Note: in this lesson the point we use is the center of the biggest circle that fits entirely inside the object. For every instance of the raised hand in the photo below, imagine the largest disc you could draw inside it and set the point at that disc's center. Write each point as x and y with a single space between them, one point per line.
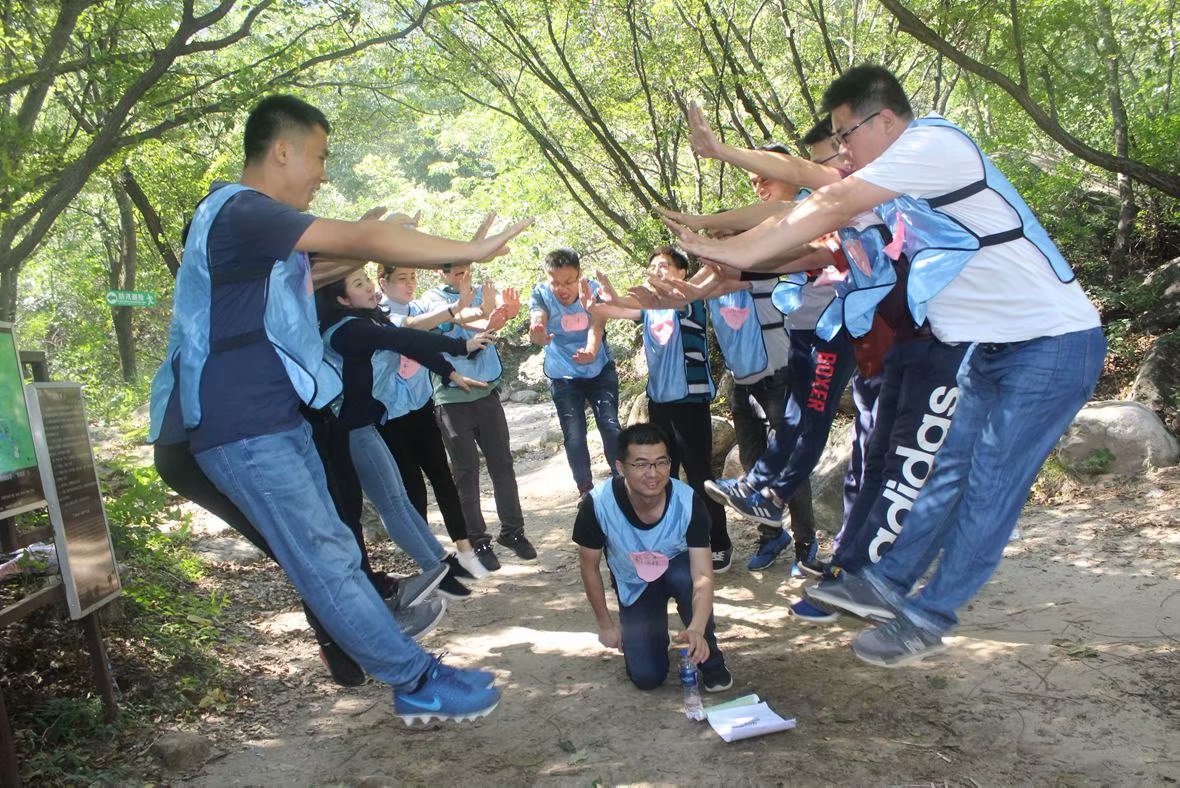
485 225
606 290
487 293
700 135
479 342
645 298
374 213
583 356
689 241
538 335
498 318
466 295
496 245
511 301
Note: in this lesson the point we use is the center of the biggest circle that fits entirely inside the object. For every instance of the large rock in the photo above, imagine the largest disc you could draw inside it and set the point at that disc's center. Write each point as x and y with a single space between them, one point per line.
827 480
732 467
531 372
182 750
724 439
1117 436
638 412
1164 283
1158 383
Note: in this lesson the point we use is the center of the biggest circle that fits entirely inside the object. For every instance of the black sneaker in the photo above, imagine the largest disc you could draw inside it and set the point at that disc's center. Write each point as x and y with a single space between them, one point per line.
457 569
519 544
717 680
487 556
451 588
341 667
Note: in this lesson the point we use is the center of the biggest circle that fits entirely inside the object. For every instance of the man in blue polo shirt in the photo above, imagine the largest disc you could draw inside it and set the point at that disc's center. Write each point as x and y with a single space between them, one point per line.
244 336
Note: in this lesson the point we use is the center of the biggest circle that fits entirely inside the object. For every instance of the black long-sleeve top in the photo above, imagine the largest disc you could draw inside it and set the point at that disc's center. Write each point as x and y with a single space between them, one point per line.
358 340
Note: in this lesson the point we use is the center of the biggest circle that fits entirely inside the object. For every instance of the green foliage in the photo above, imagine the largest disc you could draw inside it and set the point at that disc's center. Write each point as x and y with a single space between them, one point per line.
1100 461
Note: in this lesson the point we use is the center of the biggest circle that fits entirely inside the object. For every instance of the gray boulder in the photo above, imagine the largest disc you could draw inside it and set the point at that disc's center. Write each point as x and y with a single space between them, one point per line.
1164 283
827 480
182 750
724 439
1119 437
531 372
732 467
525 396
1158 383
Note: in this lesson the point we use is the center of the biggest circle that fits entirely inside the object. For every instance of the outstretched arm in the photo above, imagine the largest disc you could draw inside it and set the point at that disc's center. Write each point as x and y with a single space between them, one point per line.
829 209
789 169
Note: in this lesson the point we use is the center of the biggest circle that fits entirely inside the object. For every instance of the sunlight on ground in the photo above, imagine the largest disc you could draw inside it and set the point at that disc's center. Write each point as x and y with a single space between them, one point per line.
541 641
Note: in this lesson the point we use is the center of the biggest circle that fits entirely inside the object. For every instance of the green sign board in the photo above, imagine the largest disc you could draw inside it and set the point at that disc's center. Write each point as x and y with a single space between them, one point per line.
130 298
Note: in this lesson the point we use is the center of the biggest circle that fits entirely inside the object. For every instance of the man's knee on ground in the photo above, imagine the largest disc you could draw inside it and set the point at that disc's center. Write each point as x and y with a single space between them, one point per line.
647 679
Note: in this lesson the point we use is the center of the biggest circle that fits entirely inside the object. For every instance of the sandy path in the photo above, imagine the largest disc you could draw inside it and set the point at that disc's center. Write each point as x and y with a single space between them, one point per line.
1066 669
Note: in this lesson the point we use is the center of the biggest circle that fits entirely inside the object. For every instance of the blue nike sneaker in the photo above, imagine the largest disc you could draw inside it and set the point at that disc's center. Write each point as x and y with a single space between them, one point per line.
473 676
806 611
446 694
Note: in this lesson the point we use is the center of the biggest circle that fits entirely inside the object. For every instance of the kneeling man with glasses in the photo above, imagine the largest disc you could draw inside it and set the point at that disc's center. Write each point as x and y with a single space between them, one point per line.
655 533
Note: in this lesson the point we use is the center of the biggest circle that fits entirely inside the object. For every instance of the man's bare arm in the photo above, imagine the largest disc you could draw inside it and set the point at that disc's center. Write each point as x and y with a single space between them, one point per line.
396 244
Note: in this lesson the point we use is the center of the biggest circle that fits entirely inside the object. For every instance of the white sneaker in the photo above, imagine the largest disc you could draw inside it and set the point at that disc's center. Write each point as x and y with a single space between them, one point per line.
469 561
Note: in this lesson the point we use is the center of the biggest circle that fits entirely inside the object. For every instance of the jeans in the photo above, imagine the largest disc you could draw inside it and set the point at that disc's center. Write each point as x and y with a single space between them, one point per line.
913 410
382 484
644 625
689 428
819 372
570 397
1015 402
465 425
417 448
278 482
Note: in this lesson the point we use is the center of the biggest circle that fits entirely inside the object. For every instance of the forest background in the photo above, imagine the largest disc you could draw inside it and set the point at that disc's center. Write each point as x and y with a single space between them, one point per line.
115 116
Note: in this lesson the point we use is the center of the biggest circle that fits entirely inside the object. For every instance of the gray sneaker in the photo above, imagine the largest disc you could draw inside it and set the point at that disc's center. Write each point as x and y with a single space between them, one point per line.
417 621
892 644
413 590
852 594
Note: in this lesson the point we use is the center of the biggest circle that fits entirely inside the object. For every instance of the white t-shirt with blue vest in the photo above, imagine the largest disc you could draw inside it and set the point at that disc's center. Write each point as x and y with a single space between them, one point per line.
1008 292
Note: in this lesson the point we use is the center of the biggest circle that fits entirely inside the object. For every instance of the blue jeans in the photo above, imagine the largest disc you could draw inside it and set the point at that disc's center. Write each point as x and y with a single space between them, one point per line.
277 481
644 624
1015 402
382 484
570 397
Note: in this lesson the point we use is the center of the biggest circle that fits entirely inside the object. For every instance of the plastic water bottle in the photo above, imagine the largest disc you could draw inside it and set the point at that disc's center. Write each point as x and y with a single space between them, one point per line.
692 691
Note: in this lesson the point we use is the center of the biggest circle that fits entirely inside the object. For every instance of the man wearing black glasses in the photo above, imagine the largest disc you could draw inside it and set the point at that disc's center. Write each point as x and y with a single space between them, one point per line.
986 274
655 533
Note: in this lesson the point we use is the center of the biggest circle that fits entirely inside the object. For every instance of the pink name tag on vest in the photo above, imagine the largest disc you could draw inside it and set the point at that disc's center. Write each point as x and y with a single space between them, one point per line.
578 321
662 331
895 246
649 565
734 316
854 250
408 368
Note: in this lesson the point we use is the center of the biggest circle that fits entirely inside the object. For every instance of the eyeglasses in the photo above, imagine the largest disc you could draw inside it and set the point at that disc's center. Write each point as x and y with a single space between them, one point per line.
643 467
841 137
826 159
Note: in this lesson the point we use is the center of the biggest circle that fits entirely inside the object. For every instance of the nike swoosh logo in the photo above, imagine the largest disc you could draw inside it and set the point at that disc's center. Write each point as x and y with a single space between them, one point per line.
434 705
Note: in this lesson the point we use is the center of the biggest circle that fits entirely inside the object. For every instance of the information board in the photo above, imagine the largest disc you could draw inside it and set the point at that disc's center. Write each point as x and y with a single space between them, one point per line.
20 482
70 480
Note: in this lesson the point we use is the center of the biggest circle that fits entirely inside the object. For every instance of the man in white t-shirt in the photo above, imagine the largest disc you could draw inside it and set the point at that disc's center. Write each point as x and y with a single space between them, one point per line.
983 272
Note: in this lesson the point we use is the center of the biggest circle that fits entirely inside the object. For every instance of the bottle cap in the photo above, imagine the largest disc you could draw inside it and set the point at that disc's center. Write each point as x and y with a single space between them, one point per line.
684 652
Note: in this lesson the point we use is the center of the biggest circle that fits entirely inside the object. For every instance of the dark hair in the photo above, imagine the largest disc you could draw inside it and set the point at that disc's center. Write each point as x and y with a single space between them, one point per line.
330 311
821 131
775 147
679 258
642 434
867 89
275 116
562 258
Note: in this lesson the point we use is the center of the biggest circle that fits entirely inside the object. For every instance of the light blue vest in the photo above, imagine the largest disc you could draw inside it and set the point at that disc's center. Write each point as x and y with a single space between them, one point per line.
396 382
559 362
416 376
739 333
939 246
667 379
486 365
622 538
859 294
289 323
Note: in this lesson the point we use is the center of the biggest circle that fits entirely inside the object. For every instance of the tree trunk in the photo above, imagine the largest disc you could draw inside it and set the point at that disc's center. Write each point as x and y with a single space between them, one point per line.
123 278
1109 52
8 277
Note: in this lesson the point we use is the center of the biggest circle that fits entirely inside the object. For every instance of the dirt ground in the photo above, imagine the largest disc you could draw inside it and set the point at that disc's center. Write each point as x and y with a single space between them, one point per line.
1065 670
